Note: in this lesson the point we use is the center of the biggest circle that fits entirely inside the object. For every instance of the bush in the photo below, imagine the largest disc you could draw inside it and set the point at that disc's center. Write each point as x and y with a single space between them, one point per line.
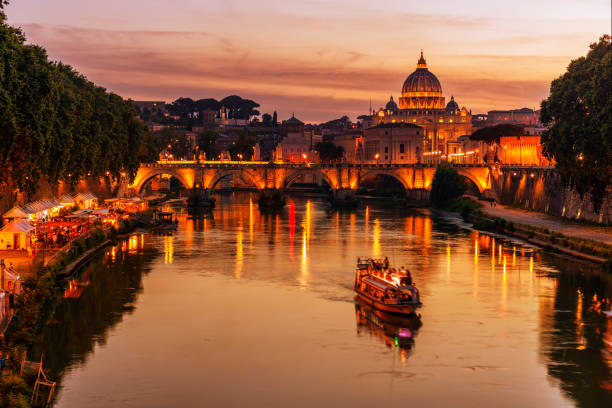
446 185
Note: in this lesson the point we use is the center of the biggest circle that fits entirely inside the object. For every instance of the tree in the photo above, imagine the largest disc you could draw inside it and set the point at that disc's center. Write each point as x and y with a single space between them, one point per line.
244 146
239 108
266 119
446 185
579 115
329 152
175 143
56 124
207 143
492 134
274 119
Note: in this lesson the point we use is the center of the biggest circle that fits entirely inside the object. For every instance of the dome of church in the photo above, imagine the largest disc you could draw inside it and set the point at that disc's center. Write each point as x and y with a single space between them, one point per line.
391 105
452 106
422 90
421 80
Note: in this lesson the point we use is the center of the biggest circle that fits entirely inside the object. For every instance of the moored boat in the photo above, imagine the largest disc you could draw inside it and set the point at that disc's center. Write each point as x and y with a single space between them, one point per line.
386 288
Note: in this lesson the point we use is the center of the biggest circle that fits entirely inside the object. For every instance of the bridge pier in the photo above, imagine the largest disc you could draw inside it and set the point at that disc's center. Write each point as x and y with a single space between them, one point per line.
417 197
272 198
200 198
343 197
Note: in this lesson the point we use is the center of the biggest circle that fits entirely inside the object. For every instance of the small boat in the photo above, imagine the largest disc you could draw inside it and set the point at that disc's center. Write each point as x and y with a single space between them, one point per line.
164 223
385 288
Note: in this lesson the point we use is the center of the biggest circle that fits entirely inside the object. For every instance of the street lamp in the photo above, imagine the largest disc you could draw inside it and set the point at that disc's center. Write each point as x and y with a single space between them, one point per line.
239 156
377 156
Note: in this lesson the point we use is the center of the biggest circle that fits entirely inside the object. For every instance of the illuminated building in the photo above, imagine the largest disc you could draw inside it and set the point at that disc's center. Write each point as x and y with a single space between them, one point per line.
522 150
393 143
423 104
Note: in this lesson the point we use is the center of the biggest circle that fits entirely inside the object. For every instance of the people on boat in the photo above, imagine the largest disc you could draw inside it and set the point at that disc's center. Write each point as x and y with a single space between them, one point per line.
386 263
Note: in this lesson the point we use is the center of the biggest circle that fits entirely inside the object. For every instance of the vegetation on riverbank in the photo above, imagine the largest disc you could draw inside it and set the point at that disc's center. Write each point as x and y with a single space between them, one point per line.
35 309
447 184
551 240
58 126
578 115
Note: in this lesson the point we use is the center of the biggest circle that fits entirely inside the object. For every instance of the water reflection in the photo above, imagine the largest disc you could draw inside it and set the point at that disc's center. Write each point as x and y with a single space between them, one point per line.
577 336
393 331
95 301
488 302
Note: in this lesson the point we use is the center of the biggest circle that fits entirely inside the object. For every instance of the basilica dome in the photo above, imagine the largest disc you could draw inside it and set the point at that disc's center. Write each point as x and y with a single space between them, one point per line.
422 90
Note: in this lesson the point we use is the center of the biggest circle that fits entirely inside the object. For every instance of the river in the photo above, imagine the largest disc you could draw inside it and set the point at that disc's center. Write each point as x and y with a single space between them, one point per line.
243 309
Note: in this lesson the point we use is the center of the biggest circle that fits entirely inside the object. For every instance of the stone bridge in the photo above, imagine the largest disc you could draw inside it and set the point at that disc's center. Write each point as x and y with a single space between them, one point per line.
344 179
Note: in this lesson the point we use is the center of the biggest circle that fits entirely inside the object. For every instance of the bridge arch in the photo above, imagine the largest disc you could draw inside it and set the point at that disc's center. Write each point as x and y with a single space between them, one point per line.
251 176
144 175
371 174
479 177
295 174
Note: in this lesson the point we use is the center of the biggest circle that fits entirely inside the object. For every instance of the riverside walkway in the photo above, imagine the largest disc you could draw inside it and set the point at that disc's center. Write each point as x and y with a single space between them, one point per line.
540 220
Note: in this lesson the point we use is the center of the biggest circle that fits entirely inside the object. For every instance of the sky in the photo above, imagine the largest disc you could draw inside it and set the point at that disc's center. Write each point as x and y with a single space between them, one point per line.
317 59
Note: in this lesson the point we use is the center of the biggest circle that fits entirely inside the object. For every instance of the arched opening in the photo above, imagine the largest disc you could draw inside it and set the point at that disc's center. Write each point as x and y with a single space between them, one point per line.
236 180
381 185
472 188
306 181
163 183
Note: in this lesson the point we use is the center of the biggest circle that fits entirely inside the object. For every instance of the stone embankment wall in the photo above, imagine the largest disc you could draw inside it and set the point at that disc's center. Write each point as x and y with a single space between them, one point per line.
541 190
102 188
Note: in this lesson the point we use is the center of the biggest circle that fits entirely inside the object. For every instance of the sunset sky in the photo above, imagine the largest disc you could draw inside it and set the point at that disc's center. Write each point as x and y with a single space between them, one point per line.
319 59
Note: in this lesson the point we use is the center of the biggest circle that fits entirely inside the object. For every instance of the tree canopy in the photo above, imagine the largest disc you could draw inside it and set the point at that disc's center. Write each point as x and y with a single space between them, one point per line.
188 111
493 133
329 152
207 143
579 115
56 123
243 149
175 143
447 184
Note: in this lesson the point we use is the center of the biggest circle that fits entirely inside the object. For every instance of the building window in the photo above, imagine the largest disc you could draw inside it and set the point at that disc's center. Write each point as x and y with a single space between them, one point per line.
401 148
386 149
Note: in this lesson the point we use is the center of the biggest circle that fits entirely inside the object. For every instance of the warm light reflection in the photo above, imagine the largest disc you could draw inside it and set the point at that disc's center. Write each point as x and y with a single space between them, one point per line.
376 238
291 228
580 340
251 222
168 249
239 253
504 285
306 225
448 262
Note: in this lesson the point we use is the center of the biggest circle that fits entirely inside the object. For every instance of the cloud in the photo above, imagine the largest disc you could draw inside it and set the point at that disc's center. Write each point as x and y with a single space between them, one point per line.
317 82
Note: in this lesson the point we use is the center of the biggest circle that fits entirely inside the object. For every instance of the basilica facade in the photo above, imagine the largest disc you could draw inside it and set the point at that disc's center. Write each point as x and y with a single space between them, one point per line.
423 104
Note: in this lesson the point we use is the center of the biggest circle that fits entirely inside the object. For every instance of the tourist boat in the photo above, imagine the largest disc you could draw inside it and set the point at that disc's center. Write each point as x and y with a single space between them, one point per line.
385 288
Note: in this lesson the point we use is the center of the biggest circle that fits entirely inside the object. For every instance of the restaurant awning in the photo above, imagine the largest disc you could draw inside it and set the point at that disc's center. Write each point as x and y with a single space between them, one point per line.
17 226
15 212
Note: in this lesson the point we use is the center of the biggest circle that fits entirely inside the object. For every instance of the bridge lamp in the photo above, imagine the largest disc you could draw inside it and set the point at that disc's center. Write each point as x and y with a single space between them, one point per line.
377 156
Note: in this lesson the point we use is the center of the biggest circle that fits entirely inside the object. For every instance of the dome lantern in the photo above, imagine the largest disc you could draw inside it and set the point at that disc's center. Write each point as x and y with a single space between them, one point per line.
422 90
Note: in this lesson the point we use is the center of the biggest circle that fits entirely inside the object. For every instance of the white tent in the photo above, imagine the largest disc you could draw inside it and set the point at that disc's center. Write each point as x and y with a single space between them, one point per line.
15 213
16 235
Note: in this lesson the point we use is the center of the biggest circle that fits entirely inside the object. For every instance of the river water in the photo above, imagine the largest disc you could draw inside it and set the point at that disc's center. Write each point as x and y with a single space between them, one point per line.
243 309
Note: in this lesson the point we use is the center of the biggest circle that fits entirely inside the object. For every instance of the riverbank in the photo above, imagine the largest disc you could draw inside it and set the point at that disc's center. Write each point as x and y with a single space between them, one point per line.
36 306
592 243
